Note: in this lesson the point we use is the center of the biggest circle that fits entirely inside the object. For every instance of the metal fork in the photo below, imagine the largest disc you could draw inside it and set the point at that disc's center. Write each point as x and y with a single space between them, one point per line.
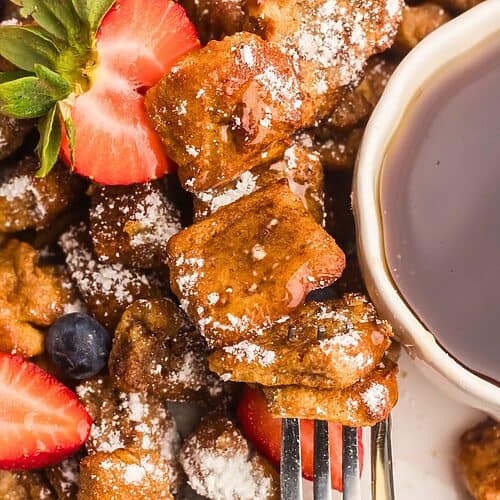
381 459
382 487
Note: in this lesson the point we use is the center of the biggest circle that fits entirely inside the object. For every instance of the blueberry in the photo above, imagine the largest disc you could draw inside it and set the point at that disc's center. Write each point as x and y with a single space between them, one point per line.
78 345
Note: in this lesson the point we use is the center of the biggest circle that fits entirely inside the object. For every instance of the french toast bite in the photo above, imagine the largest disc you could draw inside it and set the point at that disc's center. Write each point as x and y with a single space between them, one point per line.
31 298
219 464
353 341
124 473
339 150
124 420
131 225
250 264
64 477
225 109
301 167
107 289
479 460
418 22
365 403
157 350
357 103
12 131
330 41
24 486
339 136
29 202
215 19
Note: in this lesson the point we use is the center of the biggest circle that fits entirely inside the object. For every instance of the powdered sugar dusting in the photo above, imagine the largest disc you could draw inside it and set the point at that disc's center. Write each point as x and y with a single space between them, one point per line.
190 270
151 219
225 471
158 222
95 278
10 22
133 474
375 397
246 184
331 35
228 477
23 187
250 352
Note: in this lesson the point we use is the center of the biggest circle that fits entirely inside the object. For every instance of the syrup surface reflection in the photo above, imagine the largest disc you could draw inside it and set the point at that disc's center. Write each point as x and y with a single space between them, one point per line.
440 196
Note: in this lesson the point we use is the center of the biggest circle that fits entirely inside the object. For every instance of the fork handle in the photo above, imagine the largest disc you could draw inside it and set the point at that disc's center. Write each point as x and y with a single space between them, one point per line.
381 454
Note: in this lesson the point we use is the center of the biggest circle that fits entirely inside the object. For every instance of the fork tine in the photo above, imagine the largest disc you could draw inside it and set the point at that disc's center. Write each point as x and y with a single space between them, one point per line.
350 464
290 468
322 480
381 455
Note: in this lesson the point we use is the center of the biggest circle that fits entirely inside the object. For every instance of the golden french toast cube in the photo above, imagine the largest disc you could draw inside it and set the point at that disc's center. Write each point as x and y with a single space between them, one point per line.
12 131
250 264
215 19
301 167
225 109
123 419
126 473
107 289
212 454
130 419
329 40
32 297
339 151
131 225
479 460
64 477
157 350
29 202
357 103
28 485
335 343
418 22
363 404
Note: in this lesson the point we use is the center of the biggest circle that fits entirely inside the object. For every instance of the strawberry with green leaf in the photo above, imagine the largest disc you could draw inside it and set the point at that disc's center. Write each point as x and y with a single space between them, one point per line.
83 67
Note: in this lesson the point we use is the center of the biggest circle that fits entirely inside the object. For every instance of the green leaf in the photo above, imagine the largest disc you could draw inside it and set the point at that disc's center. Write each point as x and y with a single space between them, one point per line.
92 11
80 7
8 76
65 108
25 46
29 97
58 17
58 83
50 141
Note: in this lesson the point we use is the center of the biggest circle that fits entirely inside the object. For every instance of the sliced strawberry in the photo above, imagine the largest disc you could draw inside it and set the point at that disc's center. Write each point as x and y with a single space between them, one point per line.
41 420
264 432
142 39
138 41
114 143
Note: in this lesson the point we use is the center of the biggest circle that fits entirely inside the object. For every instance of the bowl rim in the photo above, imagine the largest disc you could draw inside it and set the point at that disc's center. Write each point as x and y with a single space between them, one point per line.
441 47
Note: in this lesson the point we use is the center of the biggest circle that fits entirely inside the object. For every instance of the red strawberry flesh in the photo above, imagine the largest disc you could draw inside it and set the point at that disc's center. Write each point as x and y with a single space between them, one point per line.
114 144
141 40
41 420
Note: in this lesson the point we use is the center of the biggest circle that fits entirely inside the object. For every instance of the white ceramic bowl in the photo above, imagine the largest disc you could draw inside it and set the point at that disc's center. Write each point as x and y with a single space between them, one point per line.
409 80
